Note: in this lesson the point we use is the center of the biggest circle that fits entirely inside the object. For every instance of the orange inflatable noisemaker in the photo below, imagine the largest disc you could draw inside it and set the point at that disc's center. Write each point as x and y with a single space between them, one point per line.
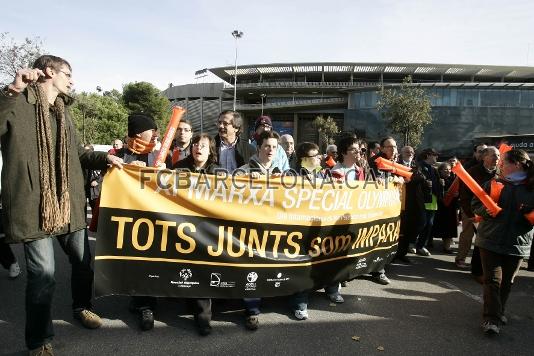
398 169
492 207
177 113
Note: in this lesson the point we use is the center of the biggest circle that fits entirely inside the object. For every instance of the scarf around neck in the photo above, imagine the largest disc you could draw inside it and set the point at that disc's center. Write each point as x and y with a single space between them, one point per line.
53 164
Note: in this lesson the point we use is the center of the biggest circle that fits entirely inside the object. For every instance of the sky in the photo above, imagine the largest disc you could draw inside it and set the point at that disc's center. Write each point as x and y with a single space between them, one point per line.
111 43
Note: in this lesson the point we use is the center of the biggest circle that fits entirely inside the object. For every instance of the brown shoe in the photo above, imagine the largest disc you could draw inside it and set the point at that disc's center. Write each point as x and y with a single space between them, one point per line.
45 350
88 319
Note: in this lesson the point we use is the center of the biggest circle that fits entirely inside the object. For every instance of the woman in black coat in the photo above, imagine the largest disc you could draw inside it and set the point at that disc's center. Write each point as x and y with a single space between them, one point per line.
446 219
201 160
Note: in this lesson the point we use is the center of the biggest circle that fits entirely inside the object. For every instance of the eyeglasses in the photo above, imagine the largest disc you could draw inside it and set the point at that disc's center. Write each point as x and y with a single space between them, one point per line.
224 123
315 156
67 74
200 145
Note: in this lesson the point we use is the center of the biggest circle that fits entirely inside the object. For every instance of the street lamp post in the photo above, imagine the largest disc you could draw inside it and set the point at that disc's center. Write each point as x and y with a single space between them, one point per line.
237 35
262 98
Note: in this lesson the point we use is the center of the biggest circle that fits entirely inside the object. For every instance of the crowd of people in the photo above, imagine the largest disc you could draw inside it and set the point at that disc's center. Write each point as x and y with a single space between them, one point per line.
48 178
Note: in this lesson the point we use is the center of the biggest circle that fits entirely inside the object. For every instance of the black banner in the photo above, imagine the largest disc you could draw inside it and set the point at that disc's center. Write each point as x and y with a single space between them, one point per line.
149 252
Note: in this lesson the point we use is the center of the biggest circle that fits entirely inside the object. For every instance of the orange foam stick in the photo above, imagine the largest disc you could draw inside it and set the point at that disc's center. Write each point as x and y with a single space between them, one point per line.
495 190
451 192
492 207
530 217
503 148
177 113
385 165
394 164
330 162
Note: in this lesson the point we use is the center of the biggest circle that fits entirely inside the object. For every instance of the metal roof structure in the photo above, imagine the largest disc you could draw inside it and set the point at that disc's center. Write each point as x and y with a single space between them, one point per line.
506 72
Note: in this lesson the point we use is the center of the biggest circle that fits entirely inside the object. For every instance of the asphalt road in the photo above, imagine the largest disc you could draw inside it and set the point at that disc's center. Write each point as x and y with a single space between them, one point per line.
430 308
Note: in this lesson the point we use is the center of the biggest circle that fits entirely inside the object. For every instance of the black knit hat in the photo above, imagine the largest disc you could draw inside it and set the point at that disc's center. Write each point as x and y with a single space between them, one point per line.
138 123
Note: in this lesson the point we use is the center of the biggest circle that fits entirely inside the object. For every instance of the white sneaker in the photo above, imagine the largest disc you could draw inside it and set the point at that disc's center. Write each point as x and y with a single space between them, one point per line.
490 328
14 270
423 252
301 314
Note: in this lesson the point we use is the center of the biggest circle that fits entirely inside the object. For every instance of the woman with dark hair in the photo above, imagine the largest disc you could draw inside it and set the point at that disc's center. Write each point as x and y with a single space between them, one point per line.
203 156
202 159
504 240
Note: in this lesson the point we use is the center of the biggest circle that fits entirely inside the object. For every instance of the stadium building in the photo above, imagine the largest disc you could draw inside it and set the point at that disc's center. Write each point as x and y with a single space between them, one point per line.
470 103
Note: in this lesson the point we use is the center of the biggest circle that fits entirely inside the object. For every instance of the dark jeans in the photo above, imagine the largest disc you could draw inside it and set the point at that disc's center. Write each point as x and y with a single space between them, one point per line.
252 306
139 303
299 300
409 232
7 258
41 282
201 310
499 273
426 232
476 264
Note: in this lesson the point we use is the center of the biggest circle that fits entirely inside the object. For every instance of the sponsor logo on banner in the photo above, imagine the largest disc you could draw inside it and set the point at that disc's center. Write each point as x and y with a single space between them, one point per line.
252 277
278 279
217 282
185 275
362 263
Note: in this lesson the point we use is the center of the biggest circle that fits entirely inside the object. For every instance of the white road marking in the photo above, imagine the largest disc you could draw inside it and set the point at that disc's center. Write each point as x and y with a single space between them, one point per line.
476 298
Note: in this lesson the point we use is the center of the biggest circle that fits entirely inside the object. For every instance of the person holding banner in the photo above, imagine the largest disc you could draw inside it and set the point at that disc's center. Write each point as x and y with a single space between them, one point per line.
43 195
261 164
140 150
388 150
504 240
202 159
308 163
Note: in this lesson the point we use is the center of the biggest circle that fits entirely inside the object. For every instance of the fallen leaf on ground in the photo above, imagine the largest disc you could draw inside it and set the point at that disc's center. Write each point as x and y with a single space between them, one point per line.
356 338
333 304
380 348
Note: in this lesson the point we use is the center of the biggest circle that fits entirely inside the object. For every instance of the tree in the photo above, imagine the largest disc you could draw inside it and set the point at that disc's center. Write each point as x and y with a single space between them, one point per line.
327 129
407 111
16 55
99 119
145 97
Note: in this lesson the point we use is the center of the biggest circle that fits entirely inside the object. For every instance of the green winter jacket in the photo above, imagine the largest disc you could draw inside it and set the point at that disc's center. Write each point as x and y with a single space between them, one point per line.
20 172
509 233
